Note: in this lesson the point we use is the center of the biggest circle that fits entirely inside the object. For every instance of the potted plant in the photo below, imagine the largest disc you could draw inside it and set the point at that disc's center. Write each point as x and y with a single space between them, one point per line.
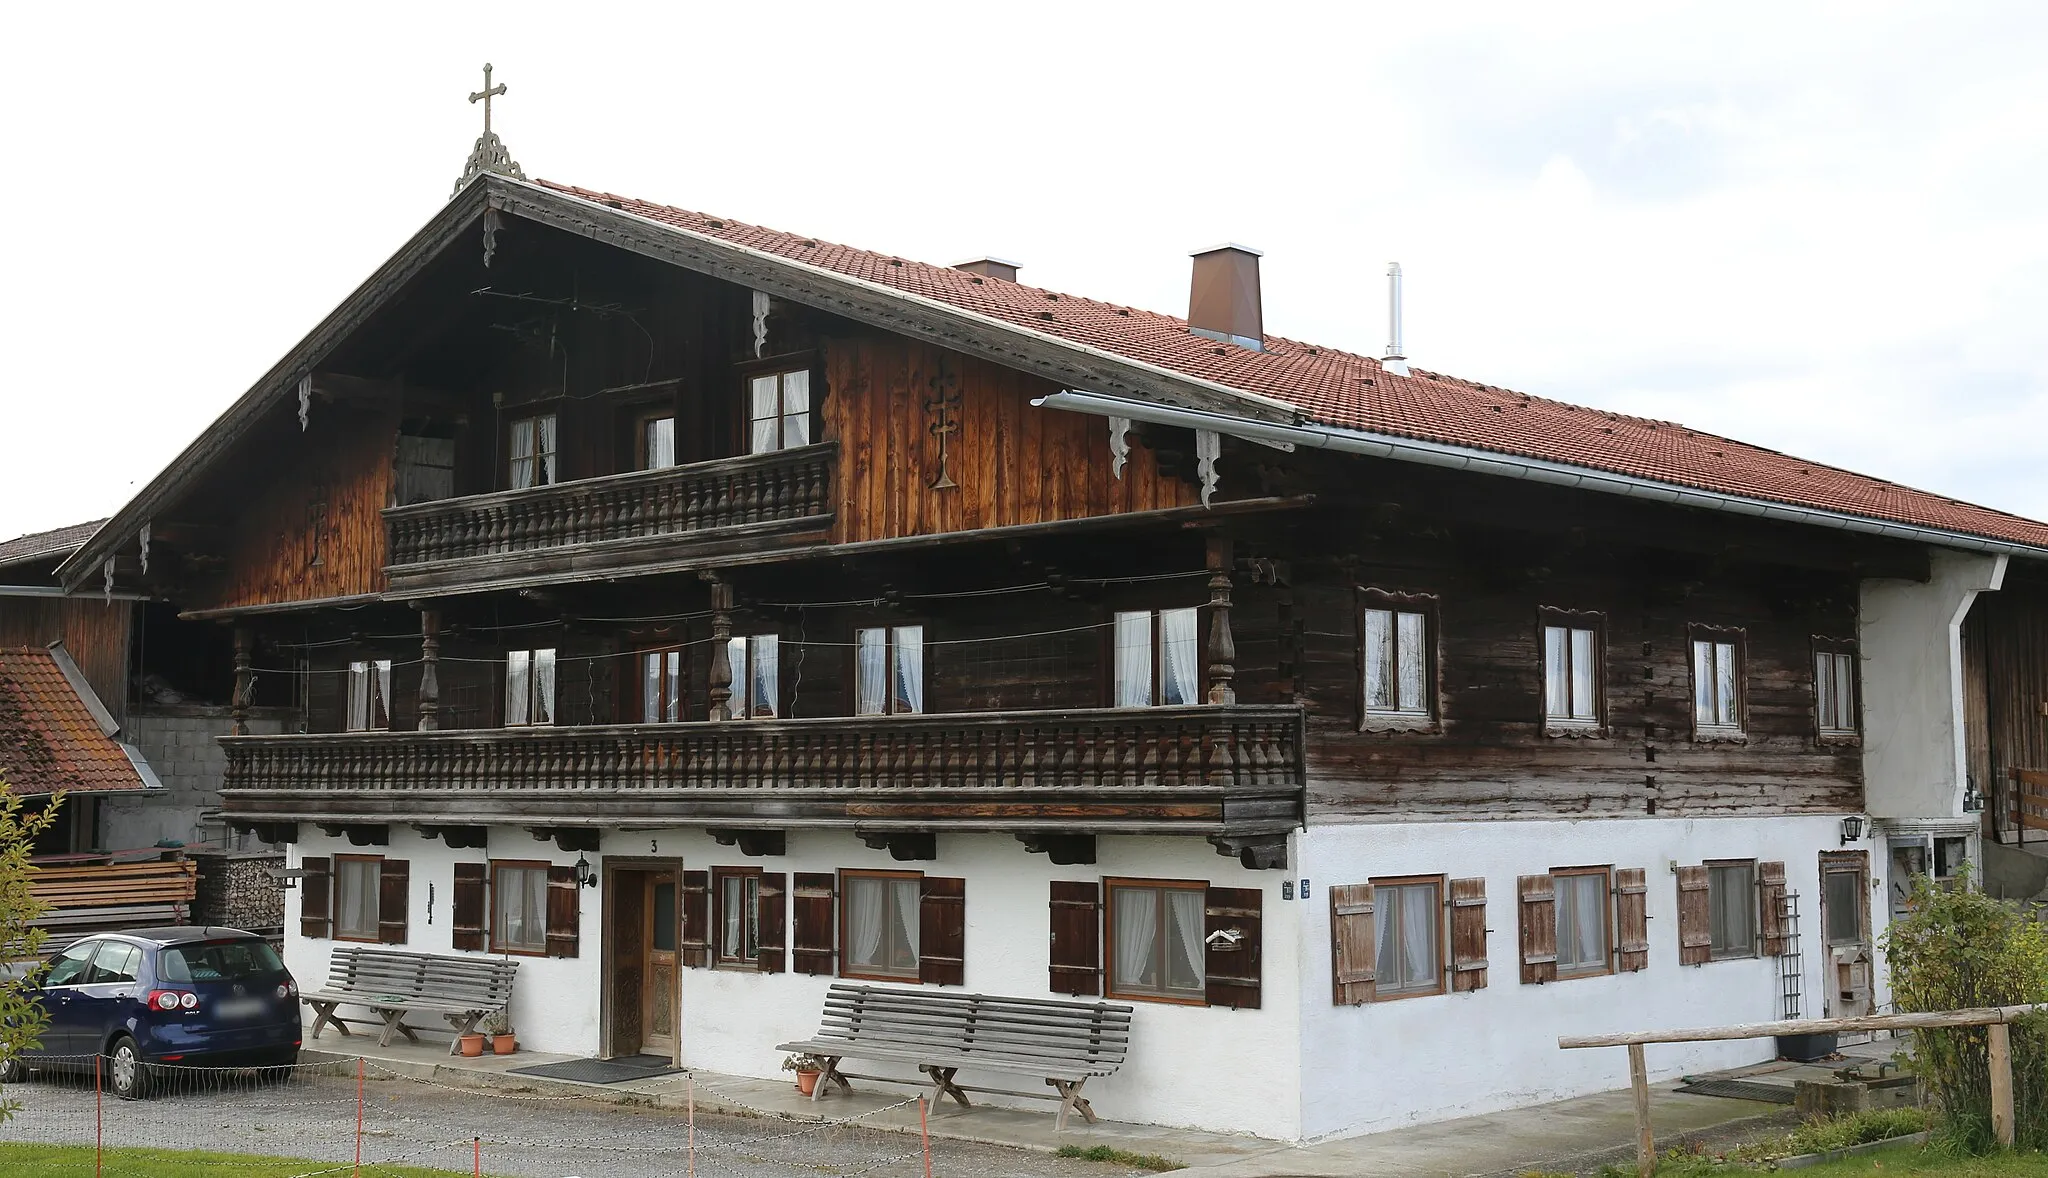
471 1043
497 1026
808 1068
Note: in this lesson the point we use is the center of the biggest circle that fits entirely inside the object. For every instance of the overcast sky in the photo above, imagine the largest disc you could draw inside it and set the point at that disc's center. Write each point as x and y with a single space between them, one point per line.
1820 228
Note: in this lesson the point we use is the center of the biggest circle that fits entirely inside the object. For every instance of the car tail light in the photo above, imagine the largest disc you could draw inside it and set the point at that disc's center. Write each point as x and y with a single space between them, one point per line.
285 990
173 1000
188 1001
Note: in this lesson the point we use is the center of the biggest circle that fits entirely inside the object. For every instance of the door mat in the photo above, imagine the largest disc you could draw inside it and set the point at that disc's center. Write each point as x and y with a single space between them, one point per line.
1740 1090
603 1071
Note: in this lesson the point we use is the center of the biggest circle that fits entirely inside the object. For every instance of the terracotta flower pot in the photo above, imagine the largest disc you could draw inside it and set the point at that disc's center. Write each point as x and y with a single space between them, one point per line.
807 1082
504 1044
472 1044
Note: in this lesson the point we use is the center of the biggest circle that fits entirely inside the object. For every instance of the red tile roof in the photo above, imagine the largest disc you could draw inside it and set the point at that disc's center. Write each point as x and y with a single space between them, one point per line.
1336 388
48 740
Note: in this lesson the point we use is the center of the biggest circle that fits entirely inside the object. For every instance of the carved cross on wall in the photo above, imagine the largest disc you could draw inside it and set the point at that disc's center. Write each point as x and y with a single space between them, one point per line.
945 409
486 94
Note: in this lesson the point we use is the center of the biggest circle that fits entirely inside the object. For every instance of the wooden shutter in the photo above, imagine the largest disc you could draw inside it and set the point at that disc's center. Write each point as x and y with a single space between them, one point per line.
1770 902
316 897
1631 919
1233 969
466 906
393 879
696 944
773 923
1695 922
565 912
1468 935
1539 929
942 931
812 922
1354 945
1076 954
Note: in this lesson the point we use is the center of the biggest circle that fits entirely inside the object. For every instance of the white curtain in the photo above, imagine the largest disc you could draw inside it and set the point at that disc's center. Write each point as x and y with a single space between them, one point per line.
871 672
1137 937
356 886
1180 665
518 680
866 908
661 443
674 709
730 907
1134 659
1724 680
1703 684
521 446
907 923
767 415
1413 646
1189 965
544 458
1379 660
909 669
1557 701
1418 934
358 696
765 696
544 686
650 688
380 711
796 409
1585 666
1582 921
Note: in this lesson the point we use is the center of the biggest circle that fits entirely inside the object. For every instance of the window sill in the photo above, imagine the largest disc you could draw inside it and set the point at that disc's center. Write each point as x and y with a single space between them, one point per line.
1160 999
1574 729
1840 739
894 979
1750 955
731 966
1395 722
1719 736
1573 975
1405 995
508 951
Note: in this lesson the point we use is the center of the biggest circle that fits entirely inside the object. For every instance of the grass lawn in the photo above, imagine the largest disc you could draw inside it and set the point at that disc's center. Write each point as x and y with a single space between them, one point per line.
1915 1160
64 1161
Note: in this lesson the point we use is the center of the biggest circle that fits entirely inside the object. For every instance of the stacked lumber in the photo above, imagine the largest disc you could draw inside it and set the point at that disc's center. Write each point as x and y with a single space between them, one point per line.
106 897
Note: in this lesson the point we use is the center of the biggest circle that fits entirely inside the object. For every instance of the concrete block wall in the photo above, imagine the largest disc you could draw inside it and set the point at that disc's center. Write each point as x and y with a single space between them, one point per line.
181 746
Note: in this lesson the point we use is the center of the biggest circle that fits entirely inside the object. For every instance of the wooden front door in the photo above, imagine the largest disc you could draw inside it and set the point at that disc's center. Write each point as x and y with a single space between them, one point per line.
1845 932
658 967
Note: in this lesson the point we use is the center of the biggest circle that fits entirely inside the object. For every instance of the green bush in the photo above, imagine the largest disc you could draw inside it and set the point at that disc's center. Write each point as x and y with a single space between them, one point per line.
1959 949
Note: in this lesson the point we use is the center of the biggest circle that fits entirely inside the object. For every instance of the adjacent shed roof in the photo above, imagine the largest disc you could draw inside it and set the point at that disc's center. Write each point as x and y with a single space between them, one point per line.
49 738
44 545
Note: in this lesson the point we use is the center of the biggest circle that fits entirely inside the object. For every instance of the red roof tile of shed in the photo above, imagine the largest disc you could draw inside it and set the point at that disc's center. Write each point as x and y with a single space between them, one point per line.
1336 388
48 740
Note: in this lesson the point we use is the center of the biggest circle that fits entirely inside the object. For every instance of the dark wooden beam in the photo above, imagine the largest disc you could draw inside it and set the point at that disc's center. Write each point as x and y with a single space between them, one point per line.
752 843
1066 850
359 834
567 838
456 837
1257 852
904 846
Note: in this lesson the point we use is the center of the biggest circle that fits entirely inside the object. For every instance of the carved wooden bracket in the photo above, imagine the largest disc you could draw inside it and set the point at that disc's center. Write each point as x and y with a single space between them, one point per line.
755 843
1257 852
270 832
904 846
567 838
457 837
1063 849
359 834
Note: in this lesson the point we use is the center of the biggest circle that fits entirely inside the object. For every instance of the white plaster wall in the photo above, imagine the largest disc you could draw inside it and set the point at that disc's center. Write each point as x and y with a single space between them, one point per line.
1909 636
1380 1065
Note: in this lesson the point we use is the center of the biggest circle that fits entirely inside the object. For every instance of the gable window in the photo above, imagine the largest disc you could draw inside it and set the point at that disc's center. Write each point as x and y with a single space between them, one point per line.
1716 682
369 695
1571 669
1157 660
661 686
519 907
779 410
880 922
529 687
657 442
530 448
737 891
357 882
1398 656
1582 920
1731 908
1834 688
1156 945
756 676
889 673
1410 937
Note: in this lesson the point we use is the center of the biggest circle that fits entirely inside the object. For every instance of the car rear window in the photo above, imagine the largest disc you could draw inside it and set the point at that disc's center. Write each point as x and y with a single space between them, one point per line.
218 961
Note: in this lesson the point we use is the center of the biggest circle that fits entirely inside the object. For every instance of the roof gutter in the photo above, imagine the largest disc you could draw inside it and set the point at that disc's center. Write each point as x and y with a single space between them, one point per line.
1538 470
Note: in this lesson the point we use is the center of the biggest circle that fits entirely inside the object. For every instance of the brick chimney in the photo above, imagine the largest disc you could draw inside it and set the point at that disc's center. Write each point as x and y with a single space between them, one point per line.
1223 299
990 268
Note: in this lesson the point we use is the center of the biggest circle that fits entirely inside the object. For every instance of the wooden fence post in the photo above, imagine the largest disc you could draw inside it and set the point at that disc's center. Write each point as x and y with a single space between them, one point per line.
1639 1084
2000 1036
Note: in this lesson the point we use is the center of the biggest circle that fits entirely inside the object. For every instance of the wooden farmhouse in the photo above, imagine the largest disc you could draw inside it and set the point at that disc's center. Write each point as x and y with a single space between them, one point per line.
701 614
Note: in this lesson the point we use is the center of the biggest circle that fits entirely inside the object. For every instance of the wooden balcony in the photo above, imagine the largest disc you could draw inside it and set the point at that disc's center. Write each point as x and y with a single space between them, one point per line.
602 525
1213 770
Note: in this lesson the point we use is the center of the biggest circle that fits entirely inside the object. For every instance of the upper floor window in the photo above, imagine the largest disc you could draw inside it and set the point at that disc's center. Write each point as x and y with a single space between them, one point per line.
531 449
661 686
529 687
1157 659
369 695
1834 687
1571 669
780 410
756 676
657 442
889 673
1716 681
1399 656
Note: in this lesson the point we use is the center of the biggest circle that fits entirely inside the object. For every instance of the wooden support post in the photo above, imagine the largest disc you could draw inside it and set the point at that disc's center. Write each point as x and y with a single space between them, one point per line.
1222 647
2000 1043
721 637
245 684
1639 1085
430 670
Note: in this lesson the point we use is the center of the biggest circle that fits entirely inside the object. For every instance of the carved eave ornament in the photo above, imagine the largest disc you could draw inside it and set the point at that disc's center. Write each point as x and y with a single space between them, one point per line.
489 155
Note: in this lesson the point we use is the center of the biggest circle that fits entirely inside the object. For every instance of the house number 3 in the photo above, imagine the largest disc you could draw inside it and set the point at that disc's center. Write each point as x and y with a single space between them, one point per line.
653 847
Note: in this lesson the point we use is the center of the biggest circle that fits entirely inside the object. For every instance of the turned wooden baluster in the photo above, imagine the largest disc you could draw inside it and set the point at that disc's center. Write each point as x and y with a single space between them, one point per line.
245 684
430 670
720 671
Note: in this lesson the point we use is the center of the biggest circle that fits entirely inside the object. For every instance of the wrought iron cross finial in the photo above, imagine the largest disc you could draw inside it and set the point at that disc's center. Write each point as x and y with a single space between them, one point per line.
486 94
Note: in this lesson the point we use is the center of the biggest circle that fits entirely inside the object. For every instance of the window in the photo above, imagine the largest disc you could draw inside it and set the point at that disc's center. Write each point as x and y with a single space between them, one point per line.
1156 939
531 448
661 686
780 410
756 680
1716 682
369 695
1951 854
738 893
1410 953
1582 920
519 907
1731 909
69 967
889 675
117 961
357 879
880 912
1842 901
1156 658
529 687
657 442
1397 658
1834 689
1571 670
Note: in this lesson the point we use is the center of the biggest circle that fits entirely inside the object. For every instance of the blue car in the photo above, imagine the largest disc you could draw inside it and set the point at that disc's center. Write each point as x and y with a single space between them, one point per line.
190 997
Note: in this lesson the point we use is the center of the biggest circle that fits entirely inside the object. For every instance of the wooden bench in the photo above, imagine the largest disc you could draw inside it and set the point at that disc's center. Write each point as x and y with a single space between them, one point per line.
1065 1043
461 989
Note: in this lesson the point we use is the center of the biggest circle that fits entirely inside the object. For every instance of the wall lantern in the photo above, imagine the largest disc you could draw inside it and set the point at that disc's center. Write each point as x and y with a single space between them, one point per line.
585 875
1852 829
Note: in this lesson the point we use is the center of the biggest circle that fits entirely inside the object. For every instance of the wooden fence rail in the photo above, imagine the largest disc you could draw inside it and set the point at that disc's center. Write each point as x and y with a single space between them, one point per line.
1996 1018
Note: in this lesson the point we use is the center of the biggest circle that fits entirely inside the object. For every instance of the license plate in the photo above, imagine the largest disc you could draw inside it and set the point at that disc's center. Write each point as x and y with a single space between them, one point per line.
234 1008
